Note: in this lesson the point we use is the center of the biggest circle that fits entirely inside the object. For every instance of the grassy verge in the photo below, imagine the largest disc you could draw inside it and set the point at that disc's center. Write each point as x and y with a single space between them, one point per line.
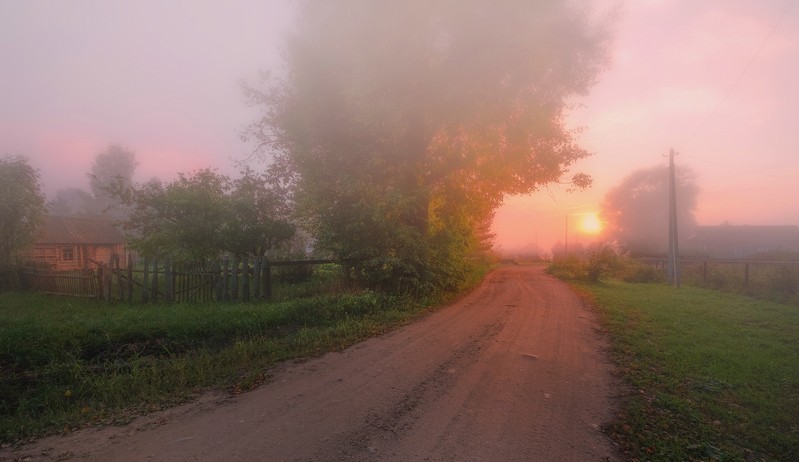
67 363
713 376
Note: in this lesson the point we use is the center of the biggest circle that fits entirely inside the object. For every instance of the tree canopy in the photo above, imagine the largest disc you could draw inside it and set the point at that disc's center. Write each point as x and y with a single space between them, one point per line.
200 216
404 124
73 202
636 211
113 165
22 206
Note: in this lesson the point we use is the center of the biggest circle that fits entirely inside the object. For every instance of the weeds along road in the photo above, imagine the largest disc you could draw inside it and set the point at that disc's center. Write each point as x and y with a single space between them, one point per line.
514 371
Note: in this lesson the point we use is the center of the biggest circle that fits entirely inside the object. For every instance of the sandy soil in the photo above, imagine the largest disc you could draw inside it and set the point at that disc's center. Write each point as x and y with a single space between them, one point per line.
515 371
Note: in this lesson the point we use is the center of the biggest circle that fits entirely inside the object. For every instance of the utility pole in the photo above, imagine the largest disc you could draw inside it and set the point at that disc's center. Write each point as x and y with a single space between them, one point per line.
674 251
566 238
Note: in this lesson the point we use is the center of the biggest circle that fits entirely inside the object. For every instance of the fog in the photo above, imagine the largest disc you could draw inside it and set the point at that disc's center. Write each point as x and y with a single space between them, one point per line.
715 80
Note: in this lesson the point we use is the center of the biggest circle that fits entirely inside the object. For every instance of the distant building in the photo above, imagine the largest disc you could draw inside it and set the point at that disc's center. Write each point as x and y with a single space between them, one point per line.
731 241
67 243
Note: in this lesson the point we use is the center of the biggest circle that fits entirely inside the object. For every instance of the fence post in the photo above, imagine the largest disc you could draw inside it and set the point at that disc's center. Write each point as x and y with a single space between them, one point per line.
130 278
154 290
267 279
256 276
84 283
234 274
100 285
245 282
118 272
169 281
226 277
219 287
145 286
108 277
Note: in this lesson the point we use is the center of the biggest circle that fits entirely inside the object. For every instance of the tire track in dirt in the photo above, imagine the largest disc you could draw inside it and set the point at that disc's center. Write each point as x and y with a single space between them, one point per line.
395 423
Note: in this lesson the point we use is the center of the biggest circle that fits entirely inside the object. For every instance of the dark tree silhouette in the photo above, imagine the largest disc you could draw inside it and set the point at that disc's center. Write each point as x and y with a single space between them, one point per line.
636 211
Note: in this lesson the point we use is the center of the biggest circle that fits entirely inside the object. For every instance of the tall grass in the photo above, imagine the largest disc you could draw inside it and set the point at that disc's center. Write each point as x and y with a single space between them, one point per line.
67 363
712 376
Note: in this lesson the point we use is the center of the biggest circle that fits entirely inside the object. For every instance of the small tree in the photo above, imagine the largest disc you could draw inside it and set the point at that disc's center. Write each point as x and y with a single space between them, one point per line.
199 216
259 220
601 259
22 207
181 220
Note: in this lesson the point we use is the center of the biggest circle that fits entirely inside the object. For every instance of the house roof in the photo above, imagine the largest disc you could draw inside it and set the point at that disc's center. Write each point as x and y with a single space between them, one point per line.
787 233
73 230
750 236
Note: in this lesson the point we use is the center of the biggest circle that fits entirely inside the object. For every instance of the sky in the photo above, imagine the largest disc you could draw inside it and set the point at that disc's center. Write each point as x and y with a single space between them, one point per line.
715 80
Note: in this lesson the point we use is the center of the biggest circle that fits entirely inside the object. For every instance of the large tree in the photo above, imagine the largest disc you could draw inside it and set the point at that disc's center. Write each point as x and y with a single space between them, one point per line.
406 123
636 211
22 206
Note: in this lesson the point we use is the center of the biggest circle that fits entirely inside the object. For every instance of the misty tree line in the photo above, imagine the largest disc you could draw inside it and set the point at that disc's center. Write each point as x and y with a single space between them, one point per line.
394 133
193 219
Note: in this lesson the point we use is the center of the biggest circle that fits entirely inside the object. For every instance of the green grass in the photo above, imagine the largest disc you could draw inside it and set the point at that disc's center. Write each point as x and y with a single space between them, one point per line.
68 363
712 376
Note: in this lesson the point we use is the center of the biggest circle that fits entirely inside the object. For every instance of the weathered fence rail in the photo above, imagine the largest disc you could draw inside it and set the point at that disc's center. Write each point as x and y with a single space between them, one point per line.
152 280
83 283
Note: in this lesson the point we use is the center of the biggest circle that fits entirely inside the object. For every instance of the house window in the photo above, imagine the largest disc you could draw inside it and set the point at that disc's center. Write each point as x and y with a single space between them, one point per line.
45 254
68 254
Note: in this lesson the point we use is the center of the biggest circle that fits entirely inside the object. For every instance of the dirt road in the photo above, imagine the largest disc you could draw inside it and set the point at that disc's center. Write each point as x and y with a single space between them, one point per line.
513 371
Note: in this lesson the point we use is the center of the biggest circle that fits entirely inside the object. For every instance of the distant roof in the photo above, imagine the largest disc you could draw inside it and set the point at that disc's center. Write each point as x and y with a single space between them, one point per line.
73 230
750 238
749 231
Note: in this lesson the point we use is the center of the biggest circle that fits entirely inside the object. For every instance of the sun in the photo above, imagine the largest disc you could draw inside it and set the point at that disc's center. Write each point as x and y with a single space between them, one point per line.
591 224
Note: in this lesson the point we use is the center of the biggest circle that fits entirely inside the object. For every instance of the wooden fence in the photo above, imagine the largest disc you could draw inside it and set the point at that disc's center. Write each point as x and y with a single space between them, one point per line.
81 283
743 273
155 280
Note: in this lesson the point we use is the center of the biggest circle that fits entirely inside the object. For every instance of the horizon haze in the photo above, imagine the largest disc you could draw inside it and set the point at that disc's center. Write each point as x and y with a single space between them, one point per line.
713 80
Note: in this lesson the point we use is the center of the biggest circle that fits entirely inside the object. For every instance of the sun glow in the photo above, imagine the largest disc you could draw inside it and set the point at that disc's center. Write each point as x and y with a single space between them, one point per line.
591 224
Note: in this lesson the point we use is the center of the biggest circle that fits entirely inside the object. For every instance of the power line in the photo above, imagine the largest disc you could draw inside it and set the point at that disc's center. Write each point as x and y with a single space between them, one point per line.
729 92
742 73
744 170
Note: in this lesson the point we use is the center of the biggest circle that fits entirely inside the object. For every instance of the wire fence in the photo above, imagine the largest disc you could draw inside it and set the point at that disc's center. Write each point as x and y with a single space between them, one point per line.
770 279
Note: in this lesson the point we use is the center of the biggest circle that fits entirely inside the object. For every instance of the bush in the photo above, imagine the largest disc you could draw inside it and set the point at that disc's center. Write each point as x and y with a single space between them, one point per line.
630 270
602 259
569 267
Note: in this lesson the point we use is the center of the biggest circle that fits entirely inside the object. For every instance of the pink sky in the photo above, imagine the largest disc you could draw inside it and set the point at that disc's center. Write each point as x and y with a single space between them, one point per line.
162 80
674 62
